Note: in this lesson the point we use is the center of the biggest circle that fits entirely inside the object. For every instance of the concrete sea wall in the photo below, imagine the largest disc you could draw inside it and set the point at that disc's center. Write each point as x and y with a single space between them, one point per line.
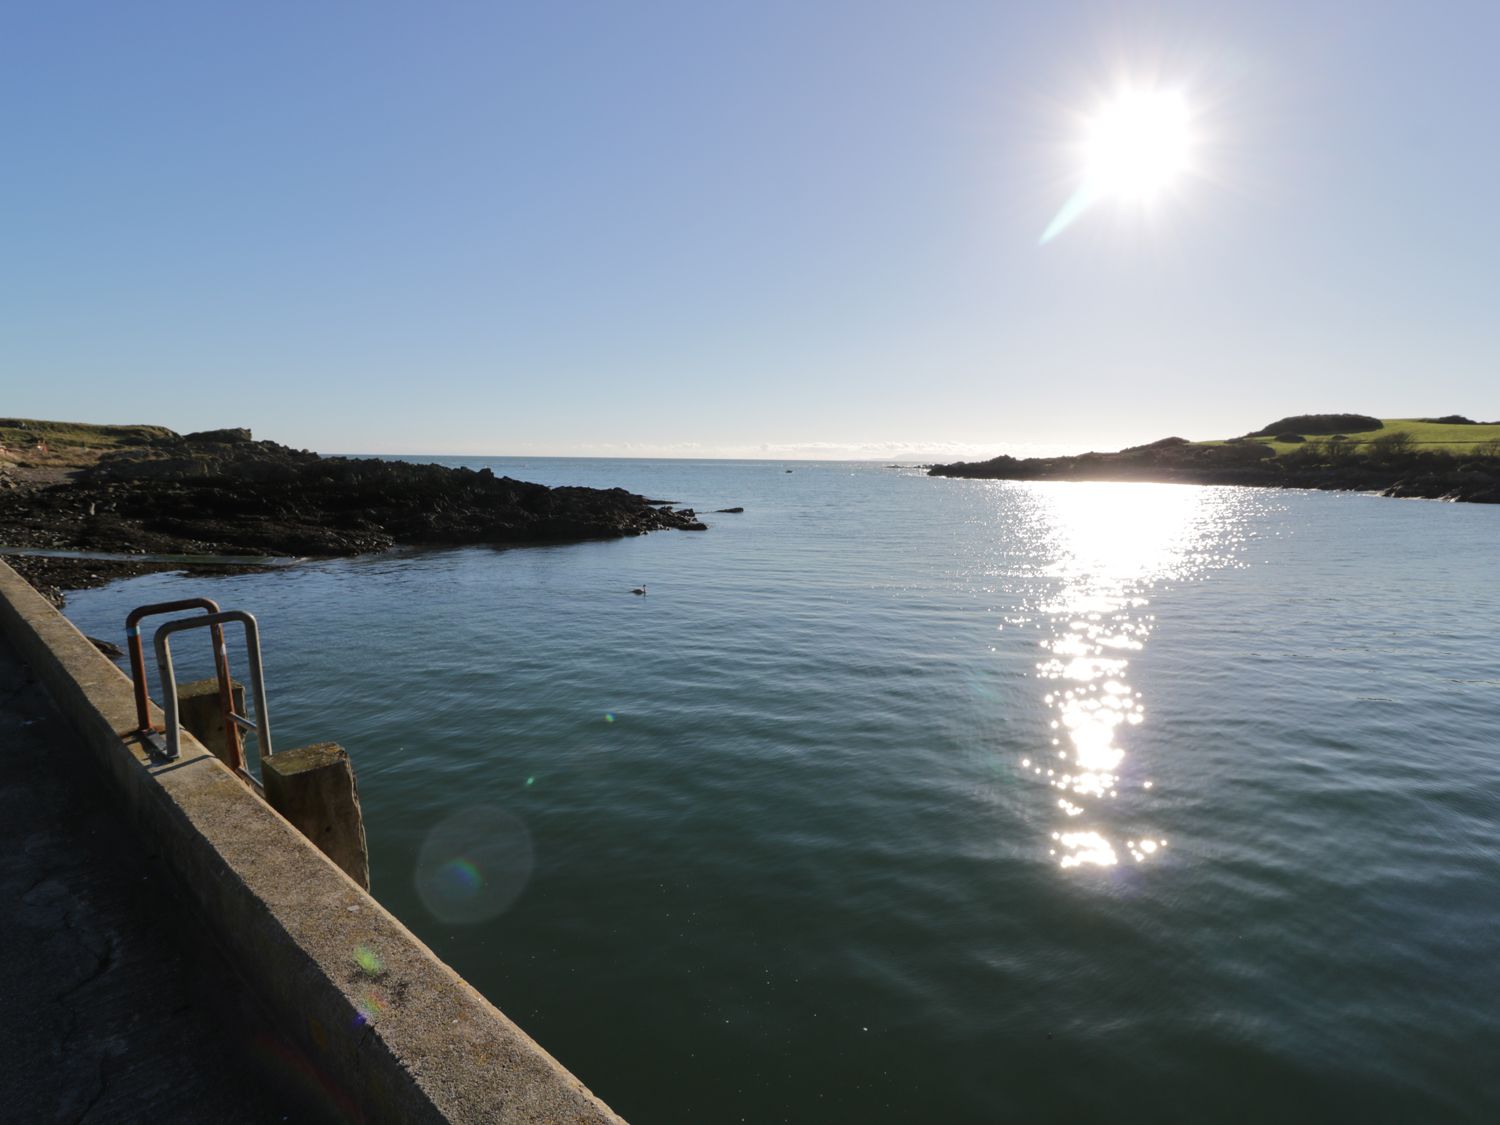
396 1033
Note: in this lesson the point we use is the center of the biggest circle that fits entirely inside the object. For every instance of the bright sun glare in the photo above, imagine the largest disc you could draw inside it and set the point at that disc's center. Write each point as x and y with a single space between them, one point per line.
1134 147
1138 144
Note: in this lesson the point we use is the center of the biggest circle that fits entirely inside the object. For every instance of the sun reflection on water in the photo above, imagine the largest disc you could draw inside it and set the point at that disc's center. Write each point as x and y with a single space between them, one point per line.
1110 546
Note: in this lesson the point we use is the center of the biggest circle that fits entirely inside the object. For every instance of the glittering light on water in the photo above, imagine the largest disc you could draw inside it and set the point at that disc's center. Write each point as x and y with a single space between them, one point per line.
1086 848
1112 543
1140 849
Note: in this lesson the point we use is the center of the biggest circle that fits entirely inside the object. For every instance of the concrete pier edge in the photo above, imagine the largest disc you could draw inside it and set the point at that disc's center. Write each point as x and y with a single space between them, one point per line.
394 1034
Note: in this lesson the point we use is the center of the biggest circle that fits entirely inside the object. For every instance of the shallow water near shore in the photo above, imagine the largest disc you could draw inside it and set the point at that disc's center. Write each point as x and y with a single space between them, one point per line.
145 557
904 799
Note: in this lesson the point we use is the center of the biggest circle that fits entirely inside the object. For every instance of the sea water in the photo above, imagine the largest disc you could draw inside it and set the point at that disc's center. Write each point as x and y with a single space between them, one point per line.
902 799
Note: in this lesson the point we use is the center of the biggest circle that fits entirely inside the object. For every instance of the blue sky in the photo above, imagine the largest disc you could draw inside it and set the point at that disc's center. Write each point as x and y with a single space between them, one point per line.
776 229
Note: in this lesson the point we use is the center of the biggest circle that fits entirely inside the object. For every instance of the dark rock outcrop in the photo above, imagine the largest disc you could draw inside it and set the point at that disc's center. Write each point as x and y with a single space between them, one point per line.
221 492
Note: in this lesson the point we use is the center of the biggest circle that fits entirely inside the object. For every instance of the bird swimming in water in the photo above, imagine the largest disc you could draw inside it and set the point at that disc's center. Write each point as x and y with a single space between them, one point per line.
641 589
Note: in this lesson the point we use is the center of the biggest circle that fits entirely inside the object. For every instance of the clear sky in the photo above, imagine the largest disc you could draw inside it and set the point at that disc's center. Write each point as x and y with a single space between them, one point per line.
713 228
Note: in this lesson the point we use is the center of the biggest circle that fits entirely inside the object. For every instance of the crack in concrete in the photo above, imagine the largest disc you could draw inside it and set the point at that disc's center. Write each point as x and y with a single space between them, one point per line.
103 959
35 883
97 1097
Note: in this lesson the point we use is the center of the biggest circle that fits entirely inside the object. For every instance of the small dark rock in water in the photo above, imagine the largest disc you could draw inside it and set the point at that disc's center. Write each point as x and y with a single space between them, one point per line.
108 648
729 511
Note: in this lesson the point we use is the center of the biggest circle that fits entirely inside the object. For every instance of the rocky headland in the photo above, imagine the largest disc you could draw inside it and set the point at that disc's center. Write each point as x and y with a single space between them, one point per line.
224 493
1364 459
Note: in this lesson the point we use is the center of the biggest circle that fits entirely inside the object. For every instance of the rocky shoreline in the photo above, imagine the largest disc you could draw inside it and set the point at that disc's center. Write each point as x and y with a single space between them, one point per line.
224 493
1400 473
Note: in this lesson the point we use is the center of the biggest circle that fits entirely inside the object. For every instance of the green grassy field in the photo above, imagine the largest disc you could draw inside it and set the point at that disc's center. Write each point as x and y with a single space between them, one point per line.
22 434
1424 435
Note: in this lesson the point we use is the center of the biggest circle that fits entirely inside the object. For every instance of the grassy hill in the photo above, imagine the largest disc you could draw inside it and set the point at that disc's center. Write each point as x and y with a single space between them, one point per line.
1449 458
21 434
1436 437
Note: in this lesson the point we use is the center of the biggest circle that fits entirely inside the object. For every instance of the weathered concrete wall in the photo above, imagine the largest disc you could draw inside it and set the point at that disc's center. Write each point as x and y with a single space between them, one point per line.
385 1023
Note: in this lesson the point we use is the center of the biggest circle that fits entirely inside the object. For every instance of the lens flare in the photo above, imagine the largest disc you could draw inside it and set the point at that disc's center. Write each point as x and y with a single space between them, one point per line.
371 1006
474 864
460 878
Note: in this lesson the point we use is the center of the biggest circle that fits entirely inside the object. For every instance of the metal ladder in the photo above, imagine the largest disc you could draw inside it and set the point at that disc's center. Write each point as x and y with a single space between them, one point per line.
169 748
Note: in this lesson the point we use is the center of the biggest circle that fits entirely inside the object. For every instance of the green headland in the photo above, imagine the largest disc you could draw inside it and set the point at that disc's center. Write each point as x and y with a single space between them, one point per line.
1447 457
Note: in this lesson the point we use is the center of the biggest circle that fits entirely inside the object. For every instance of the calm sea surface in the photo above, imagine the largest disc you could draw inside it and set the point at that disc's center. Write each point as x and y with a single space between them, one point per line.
905 800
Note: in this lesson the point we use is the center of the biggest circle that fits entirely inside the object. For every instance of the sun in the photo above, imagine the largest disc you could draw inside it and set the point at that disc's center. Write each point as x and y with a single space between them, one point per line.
1135 148
1137 144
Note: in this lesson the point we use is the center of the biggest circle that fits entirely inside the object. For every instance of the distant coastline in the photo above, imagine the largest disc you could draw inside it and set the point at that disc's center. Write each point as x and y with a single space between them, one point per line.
1450 458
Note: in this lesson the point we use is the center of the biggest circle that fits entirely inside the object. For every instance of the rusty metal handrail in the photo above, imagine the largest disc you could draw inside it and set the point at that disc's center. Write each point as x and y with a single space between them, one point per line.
232 721
221 671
